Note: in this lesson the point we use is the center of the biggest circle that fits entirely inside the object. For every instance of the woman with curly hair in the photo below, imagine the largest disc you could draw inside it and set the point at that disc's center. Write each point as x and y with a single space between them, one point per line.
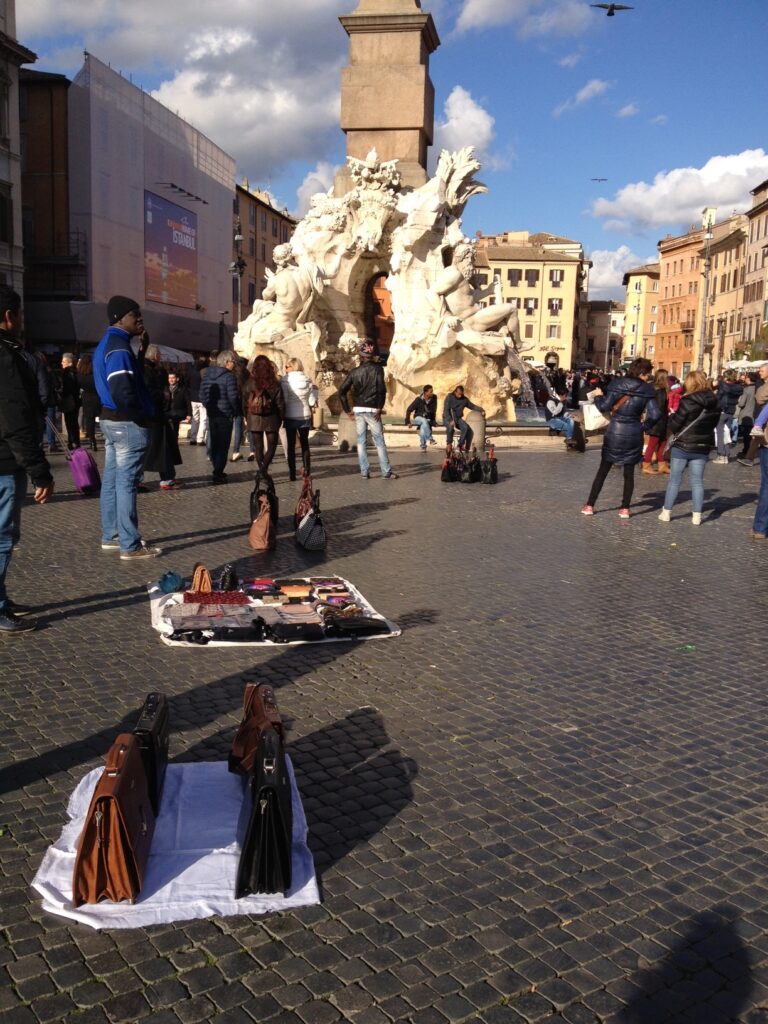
264 406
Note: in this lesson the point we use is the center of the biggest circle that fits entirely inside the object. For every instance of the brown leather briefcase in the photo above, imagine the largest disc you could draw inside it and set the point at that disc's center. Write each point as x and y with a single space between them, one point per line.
260 711
114 845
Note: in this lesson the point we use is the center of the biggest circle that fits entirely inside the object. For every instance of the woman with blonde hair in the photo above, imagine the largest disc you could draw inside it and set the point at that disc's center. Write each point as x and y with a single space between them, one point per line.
693 429
300 396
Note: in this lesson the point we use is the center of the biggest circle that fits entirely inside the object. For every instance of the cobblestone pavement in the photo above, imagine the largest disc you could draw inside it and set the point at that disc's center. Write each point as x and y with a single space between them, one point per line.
545 801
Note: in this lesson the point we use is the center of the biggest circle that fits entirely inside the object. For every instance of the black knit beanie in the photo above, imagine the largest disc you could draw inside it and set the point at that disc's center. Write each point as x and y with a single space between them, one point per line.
118 306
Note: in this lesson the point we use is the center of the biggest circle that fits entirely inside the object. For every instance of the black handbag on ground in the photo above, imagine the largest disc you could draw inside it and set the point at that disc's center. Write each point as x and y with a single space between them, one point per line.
490 469
152 731
265 849
265 485
310 533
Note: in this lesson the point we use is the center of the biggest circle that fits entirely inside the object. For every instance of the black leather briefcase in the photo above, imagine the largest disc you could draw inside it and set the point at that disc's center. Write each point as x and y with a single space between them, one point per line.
152 732
265 846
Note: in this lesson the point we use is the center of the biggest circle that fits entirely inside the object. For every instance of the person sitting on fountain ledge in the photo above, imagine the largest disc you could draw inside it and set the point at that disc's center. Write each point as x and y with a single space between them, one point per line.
557 417
453 417
424 411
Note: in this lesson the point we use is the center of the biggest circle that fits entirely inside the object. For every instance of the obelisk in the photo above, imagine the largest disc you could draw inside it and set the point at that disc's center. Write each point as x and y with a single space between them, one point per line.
387 96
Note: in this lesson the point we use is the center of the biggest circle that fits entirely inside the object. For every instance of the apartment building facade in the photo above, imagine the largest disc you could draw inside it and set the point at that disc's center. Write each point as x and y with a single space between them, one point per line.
12 56
258 226
680 269
546 276
641 311
754 323
605 334
727 256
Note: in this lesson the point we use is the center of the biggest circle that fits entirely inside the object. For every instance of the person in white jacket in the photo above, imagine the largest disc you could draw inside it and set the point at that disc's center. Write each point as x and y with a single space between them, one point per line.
300 399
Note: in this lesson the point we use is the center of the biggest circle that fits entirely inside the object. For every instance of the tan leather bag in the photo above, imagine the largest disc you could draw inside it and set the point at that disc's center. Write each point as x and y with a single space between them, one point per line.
260 711
261 535
201 580
114 845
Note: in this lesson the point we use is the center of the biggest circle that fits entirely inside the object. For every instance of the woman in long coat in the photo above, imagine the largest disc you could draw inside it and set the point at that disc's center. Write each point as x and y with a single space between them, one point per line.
625 402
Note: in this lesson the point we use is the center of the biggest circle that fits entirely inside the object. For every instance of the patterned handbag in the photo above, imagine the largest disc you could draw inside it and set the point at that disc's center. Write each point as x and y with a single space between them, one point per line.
310 533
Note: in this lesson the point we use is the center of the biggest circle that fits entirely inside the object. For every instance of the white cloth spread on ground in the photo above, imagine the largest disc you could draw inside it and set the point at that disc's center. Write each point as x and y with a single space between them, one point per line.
193 862
160 603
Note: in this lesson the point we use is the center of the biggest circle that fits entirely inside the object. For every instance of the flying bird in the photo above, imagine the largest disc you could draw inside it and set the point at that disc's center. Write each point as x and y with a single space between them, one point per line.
612 8
599 179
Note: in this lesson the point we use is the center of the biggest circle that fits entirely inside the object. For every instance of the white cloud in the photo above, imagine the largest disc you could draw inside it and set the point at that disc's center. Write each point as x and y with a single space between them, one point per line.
659 119
676 198
570 60
465 123
318 180
595 87
265 92
629 111
531 17
609 267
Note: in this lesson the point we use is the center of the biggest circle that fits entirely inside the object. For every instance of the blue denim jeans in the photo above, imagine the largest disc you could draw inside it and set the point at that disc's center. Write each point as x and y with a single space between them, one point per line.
760 525
363 421
13 487
425 430
125 445
695 464
464 432
219 436
237 439
564 423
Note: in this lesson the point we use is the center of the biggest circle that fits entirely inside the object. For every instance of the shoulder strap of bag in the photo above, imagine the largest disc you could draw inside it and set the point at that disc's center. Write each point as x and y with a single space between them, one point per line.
618 405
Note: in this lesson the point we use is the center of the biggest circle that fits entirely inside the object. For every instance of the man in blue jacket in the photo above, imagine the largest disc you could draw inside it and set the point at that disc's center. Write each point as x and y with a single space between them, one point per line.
126 414
220 395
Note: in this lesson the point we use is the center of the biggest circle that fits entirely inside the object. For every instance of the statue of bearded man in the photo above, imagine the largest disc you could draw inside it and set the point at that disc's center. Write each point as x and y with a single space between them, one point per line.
460 301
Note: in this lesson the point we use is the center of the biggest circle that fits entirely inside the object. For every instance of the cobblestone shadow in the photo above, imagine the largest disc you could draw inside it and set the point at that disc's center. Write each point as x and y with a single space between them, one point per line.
704 978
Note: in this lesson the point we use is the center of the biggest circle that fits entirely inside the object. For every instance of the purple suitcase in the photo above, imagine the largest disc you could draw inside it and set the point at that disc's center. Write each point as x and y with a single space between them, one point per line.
85 472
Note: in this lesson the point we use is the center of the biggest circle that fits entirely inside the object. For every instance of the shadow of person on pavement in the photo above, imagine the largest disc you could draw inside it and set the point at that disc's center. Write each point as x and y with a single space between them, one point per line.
705 978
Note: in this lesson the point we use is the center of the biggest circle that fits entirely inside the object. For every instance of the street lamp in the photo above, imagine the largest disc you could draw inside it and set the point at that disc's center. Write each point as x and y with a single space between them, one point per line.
222 328
721 322
237 267
708 219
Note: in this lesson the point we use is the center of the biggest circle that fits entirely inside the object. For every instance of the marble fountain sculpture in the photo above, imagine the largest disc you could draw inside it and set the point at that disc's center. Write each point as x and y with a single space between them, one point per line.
317 304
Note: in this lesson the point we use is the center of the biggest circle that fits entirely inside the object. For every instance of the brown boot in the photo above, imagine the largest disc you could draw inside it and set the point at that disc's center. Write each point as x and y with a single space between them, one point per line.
663 467
648 468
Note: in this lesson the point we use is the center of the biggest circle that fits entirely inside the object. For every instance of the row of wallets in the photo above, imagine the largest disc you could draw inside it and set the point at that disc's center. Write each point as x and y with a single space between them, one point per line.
114 845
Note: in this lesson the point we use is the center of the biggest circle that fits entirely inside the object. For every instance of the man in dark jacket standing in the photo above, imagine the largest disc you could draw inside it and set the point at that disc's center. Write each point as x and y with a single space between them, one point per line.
21 451
367 383
220 395
424 411
126 415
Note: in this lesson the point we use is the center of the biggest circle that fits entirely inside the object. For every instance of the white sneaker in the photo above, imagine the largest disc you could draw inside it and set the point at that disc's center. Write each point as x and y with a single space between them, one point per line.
236 456
696 518
665 515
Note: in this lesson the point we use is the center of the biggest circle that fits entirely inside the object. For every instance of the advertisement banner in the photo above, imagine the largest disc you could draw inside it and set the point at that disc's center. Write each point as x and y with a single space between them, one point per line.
170 253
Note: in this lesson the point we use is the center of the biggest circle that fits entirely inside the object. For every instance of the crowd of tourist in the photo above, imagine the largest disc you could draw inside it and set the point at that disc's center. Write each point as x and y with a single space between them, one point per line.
668 426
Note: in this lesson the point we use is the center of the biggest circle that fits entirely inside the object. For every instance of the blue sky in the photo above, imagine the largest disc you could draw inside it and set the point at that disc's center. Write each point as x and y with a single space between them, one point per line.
666 101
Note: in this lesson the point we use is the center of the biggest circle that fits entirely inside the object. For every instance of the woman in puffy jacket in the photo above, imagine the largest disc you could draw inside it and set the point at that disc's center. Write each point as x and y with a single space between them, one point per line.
693 426
625 401
300 396
264 410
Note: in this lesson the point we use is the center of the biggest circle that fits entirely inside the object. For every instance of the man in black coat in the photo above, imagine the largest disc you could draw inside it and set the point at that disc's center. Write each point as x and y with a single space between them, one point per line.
366 381
424 411
21 451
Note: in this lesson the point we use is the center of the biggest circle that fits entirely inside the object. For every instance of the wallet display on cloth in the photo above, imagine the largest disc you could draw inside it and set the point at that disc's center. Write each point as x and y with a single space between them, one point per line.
114 845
